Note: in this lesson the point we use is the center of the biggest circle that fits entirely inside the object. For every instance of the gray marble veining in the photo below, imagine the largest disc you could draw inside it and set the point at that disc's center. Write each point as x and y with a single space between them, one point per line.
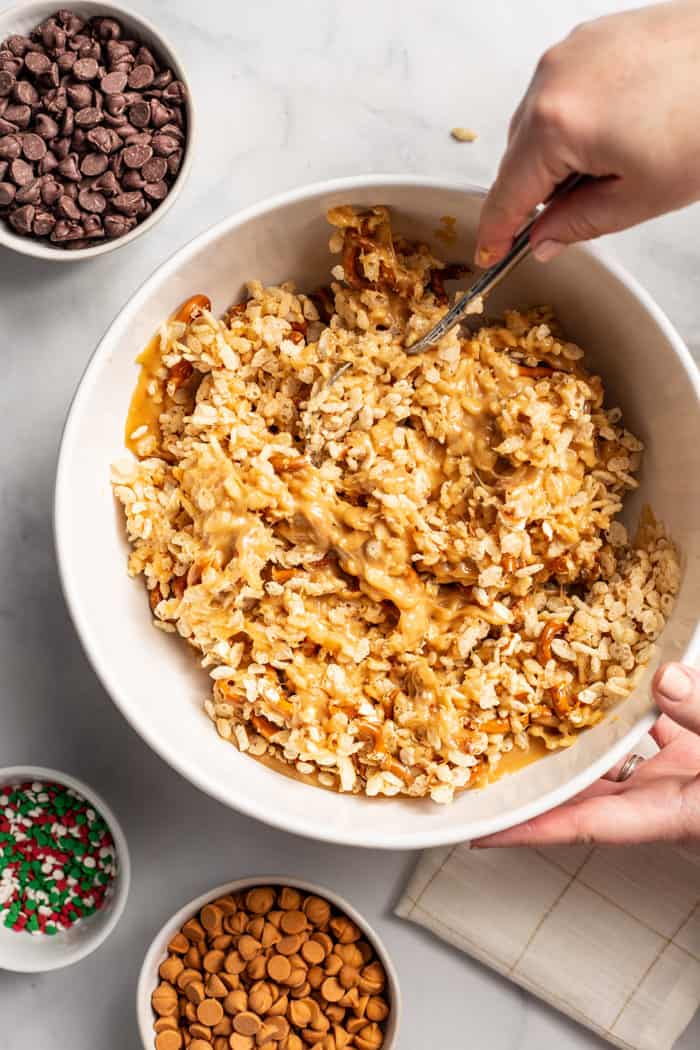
287 94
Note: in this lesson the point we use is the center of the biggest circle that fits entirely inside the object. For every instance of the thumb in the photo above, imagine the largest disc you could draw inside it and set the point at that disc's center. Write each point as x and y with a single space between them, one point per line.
676 689
597 207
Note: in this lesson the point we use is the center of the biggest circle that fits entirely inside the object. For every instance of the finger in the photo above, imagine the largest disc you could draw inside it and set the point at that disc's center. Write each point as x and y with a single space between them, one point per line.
516 119
523 181
600 206
664 731
653 813
676 689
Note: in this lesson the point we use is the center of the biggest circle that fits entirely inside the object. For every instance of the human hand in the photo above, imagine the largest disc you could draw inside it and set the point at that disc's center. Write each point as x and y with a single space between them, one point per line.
617 99
659 802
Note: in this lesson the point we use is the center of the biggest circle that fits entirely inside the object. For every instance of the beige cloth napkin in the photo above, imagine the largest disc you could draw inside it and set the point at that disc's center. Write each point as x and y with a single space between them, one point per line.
610 937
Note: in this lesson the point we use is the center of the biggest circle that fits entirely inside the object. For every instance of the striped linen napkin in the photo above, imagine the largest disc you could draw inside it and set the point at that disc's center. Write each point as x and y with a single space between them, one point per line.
610 936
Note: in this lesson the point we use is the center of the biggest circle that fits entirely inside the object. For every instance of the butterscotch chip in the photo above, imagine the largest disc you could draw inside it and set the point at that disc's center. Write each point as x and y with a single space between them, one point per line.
344 929
178 944
200 1044
222 942
365 951
210 1012
334 964
317 911
235 923
324 940
348 976
315 976
377 1009
270 935
274 917
226 905
255 969
164 999
354 1024
361 1005
194 931
200 1031
281 1027
289 899
289 944
279 1007
294 1042
213 961
256 926
312 952
293 922
171 968
335 1012
240 1042
260 998
215 987
342 1037
248 947
247 1023
278 967
221 1043
162 1024
168 1040
260 900
193 958
299 1014
231 980
464 135
234 963
332 990
236 1001
211 917
195 992
185 976
224 1027
370 1037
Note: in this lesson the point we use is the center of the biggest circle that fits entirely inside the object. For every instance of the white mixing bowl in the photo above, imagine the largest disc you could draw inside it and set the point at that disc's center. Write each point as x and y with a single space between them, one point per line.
152 676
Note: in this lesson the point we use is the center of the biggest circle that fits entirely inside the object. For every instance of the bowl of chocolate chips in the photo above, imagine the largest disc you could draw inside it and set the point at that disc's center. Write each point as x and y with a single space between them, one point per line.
96 129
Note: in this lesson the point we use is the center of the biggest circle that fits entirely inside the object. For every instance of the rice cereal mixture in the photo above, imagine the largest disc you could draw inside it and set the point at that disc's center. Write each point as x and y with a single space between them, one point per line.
399 578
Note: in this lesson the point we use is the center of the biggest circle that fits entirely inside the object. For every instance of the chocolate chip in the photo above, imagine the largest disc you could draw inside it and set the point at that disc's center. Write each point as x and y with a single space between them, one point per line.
88 117
67 208
43 223
118 225
175 91
6 82
141 77
25 93
50 192
129 204
157 191
66 61
133 180
7 127
20 172
51 77
164 145
85 69
92 224
33 147
139 114
37 63
163 79
21 219
19 114
7 193
174 130
18 45
78 141
10 147
45 126
113 83
4 165
29 193
48 162
79 95
108 184
135 156
68 122
53 37
115 104
160 114
71 22
64 230
155 169
94 163
92 201
56 101
107 28
68 168
174 162
61 147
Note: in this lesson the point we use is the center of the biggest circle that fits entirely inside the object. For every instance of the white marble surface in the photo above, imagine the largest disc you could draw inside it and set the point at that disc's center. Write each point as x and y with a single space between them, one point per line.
287 93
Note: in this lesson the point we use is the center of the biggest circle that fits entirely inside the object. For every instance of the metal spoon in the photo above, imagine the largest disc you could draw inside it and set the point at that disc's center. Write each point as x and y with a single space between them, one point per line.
488 280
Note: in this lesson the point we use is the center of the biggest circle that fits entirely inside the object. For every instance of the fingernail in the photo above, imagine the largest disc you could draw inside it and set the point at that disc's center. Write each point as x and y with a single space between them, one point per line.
675 684
547 250
484 257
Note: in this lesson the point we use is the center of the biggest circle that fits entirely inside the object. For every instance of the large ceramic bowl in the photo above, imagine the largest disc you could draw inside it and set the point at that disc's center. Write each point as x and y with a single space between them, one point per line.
152 676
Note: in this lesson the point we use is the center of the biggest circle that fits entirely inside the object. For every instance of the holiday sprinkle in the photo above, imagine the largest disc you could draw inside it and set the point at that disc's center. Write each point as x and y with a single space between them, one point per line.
57 858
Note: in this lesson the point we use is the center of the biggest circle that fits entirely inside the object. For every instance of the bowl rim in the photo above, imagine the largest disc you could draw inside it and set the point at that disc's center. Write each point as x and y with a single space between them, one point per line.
96 937
144 985
37 248
420 837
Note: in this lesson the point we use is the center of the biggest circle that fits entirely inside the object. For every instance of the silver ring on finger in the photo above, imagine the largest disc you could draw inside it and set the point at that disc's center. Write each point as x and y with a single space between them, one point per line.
628 767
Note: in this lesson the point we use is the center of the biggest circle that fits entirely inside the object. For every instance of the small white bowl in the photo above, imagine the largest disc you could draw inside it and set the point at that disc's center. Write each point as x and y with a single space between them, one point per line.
152 677
22 20
157 952
23 953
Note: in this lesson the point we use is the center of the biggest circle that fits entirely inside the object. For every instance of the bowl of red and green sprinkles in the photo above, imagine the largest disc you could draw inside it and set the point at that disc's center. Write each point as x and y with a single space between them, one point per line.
64 869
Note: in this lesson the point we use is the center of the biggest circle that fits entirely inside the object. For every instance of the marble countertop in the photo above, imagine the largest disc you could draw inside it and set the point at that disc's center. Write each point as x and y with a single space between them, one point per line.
287 94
